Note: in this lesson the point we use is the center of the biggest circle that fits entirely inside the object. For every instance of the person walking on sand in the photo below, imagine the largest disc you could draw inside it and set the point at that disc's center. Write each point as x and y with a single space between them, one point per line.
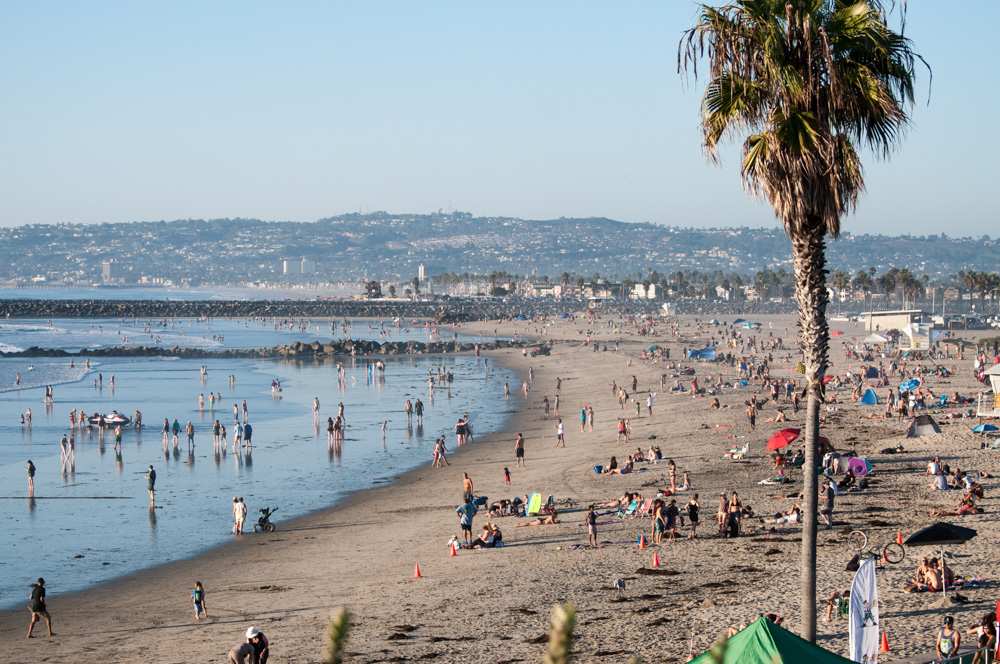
38 608
693 509
440 452
31 478
151 485
829 494
198 599
546 406
408 409
519 449
592 527
560 434
466 487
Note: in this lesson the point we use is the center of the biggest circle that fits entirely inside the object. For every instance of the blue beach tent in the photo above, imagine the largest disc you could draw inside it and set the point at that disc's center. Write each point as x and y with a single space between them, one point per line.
702 354
869 398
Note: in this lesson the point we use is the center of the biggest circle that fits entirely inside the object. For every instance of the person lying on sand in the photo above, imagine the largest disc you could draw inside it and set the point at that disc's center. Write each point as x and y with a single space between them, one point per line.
792 515
543 521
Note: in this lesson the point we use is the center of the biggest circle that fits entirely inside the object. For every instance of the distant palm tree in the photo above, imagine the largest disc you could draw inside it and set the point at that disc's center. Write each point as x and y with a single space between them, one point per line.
809 82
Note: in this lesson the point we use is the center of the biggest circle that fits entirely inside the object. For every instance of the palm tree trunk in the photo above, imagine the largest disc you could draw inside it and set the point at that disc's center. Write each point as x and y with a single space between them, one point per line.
809 254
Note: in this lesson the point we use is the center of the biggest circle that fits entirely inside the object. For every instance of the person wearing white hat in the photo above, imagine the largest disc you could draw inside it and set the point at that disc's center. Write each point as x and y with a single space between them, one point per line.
252 651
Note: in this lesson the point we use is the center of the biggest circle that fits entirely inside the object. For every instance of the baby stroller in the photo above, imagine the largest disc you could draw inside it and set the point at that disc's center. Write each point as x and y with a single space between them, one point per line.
264 524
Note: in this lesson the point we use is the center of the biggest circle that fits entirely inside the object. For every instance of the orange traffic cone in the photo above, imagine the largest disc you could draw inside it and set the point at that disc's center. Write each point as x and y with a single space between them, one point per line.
453 551
885 643
416 571
656 560
899 537
642 541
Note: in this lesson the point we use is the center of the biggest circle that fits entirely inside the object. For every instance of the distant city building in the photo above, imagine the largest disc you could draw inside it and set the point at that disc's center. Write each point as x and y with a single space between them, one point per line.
290 266
306 266
106 272
422 273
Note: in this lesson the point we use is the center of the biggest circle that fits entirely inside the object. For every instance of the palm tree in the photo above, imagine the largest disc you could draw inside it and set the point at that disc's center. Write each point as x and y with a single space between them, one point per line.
810 82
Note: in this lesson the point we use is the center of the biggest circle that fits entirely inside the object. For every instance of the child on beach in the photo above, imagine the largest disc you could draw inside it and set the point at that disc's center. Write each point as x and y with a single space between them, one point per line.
198 598
506 476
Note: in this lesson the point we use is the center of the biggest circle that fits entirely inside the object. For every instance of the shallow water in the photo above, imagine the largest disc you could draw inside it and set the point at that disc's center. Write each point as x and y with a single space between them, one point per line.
216 333
91 522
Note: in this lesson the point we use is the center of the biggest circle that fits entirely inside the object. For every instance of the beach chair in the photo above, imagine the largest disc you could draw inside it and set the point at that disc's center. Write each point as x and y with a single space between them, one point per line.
628 511
737 453
645 509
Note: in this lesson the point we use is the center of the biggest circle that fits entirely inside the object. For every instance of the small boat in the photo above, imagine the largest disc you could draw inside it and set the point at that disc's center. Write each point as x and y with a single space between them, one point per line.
113 419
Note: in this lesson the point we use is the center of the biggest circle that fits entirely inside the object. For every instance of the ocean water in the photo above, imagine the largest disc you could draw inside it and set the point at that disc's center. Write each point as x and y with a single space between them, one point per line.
214 333
90 519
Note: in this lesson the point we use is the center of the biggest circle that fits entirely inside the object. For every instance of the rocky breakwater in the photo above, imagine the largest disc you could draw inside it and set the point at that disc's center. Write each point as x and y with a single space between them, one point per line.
299 350
444 310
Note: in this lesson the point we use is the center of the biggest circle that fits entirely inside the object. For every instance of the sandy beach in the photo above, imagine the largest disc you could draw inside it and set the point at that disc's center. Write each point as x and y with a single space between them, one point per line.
493 605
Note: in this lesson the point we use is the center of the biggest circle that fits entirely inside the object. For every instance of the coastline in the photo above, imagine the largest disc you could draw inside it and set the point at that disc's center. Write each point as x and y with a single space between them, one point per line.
205 563
493 605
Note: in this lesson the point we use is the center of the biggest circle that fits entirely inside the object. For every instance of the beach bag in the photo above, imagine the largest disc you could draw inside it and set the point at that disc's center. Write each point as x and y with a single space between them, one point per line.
598 469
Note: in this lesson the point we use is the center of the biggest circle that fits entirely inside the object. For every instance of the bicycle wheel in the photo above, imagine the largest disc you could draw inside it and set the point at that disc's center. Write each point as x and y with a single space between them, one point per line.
893 553
857 540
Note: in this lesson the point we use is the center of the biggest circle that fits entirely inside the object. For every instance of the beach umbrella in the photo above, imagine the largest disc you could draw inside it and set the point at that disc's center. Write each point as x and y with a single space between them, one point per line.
837 333
940 534
827 380
858 466
909 385
781 439
985 428
786 437
653 348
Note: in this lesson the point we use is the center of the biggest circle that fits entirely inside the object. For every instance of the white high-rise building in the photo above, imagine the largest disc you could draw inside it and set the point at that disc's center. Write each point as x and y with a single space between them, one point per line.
305 266
290 266
422 273
106 274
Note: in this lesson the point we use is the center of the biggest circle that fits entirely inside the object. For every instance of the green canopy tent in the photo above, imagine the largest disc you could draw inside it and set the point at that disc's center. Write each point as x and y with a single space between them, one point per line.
763 642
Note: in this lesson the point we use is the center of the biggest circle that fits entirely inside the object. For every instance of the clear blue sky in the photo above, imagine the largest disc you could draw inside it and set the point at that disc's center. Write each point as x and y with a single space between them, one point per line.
114 111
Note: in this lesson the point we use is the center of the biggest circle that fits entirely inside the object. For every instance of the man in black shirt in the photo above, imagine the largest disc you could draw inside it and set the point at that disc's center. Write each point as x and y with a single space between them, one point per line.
37 607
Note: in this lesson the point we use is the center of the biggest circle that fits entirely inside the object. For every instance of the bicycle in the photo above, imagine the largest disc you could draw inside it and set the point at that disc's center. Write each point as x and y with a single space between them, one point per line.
892 552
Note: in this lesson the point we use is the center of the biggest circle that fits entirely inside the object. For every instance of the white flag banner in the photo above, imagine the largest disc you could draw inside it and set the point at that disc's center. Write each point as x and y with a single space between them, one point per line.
863 616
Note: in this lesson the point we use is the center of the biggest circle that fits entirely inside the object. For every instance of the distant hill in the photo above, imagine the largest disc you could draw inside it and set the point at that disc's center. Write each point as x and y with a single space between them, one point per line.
383 245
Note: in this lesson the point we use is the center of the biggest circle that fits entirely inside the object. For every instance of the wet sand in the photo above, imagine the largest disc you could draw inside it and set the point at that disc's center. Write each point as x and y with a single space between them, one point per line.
492 605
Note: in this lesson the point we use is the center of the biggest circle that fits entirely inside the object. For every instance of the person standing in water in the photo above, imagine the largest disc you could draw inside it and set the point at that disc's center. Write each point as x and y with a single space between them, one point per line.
31 478
151 485
418 410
